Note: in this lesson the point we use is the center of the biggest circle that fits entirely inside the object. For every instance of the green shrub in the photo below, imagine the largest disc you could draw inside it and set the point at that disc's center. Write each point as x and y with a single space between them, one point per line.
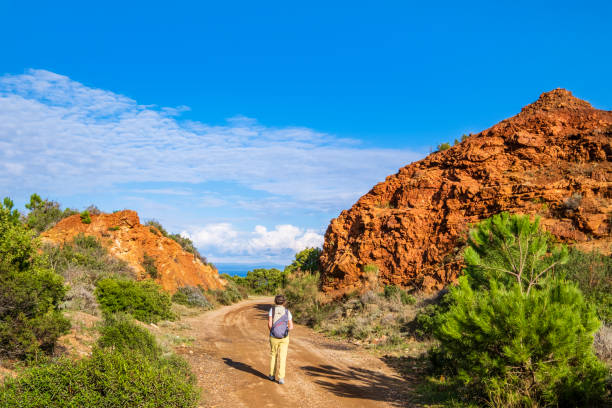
191 296
262 281
44 214
521 350
85 217
148 263
305 261
511 249
144 300
428 318
30 320
82 262
593 274
87 254
302 293
444 146
110 378
393 291
119 332
514 335
228 295
115 228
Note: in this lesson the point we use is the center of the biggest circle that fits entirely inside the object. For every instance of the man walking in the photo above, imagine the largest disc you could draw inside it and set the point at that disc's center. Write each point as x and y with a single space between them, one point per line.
280 322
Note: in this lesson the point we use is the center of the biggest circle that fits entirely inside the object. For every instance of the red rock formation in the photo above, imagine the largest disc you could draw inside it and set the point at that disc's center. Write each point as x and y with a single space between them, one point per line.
552 159
127 239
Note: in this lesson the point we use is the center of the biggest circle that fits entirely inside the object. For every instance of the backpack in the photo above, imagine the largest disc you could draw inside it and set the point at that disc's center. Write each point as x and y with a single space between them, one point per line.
280 329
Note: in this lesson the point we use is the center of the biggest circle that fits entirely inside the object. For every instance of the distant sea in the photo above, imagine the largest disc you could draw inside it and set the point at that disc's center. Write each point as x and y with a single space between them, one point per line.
240 269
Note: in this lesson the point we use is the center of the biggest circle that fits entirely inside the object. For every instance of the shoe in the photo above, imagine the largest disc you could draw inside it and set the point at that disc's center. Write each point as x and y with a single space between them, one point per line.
281 381
271 377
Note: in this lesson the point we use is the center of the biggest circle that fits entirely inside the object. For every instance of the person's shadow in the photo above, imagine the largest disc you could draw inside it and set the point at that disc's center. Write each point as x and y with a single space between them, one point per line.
244 367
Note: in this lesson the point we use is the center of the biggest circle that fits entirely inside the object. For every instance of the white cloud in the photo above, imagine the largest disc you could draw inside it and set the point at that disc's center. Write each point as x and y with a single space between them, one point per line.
61 136
280 243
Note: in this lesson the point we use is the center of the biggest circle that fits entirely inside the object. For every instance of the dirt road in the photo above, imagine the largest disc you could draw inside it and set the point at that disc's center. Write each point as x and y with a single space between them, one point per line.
230 355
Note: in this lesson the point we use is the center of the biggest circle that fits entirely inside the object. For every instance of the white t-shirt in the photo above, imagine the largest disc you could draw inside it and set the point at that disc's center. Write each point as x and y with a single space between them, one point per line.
288 313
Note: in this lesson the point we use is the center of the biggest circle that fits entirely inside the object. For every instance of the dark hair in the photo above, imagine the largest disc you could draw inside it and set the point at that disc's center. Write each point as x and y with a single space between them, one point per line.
280 299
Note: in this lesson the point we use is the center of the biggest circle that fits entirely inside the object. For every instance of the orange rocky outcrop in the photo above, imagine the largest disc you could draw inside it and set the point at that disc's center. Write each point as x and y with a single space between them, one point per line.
127 239
552 159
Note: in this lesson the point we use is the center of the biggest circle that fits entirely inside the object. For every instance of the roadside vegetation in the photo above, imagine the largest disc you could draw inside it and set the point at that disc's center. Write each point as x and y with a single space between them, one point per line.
525 326
125 366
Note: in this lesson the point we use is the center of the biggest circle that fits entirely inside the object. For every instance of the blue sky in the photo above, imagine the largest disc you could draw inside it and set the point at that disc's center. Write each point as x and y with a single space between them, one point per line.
249 125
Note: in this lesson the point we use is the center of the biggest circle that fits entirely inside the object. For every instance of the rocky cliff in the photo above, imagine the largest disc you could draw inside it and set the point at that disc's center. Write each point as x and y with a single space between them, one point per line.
552 159
127 239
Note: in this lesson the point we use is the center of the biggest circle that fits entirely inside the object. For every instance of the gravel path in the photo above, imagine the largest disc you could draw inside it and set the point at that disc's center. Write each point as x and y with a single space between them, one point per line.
230 355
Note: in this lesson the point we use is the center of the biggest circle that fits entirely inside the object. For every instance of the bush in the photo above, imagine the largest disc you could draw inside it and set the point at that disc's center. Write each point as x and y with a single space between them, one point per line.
444 146
110 378
511 250
148 263
82 262
30 320
393 291
514 334
523 350
144 300
88 255
119 332
305 261
228 295
262 281
593 274
191 296
302 293
85 217
44 214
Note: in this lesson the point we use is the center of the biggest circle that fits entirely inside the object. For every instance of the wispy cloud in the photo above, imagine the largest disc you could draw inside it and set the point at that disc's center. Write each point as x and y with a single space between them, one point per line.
61 135
61 138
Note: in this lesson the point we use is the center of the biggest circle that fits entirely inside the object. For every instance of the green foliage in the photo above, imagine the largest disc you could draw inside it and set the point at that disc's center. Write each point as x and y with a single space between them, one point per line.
110 378
262 281
513 334
120 332
523 350
303 298
393 291
85 217
191 296
144 300
444 146
82 262
429 317
148 263
156 225
305 261
593 274
511 249
30 320
88 255
44 214
228 295
115 228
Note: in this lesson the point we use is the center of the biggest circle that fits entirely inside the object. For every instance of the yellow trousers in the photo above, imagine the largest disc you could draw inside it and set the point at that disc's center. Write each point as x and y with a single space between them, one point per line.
278 355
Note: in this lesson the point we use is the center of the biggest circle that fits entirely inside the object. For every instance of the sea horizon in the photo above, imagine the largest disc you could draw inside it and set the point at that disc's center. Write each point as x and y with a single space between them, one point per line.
241 269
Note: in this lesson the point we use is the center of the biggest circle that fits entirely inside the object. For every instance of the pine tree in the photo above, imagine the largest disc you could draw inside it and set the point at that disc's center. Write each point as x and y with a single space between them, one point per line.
514 334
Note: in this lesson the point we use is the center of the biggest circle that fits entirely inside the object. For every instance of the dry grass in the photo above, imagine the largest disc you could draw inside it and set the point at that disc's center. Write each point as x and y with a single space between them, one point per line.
377 322
603 344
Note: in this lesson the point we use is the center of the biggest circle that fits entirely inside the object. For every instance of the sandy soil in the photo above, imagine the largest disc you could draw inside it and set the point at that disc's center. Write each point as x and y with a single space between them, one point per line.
229 352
